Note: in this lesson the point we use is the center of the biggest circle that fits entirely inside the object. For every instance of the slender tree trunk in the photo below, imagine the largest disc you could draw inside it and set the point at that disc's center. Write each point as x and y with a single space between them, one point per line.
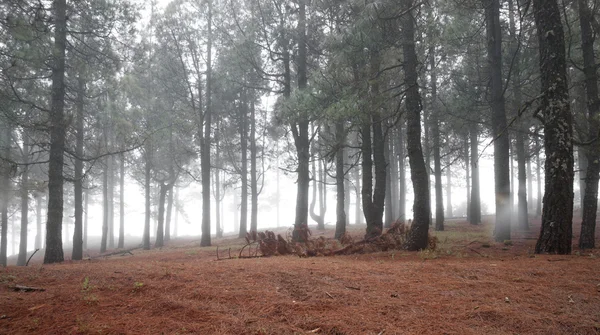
205 152
389 209
147 189
244 171
587 239
393 164
277 201
468 176
5 193
77 253
217 187
105 210
111 200
253 175
538 211
86 218
317 190
358 216
475 208
401 176
529 180
419 231
449 192
437 164
54 248
121 202
176 220
340 223
169 215
38 220
22 258
557 214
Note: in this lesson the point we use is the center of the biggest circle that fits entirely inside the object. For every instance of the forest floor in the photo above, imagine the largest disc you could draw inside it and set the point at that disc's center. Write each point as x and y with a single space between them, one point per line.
469 285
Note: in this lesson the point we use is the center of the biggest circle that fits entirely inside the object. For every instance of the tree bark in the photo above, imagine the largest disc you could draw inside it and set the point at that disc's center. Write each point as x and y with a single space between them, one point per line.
54 248
5 193
147 189
38 220
253 174
205 142
121 243
300 132
105 209
475 208
468 176
401 175
160 231
244 169
557 214
587 239
449 192
388 208
77 253
500 132
169 215
86 219
419 231
341 220
435 129
22 258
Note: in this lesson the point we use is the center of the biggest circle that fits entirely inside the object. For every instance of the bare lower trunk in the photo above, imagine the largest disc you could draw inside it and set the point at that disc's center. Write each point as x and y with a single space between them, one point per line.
5 194
147 186
24 203
122 202
340 223
475 208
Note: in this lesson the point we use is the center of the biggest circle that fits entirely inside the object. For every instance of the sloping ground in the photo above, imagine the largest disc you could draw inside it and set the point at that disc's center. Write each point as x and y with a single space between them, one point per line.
469 286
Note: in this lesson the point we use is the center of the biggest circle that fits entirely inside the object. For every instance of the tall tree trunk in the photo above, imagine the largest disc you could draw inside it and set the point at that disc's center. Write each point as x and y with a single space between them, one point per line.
121 202
587 239
557 214
111 199
38 220
583 166
169 215
105 209
22 258
358 216
419 231
86 218
538 168
501 142
401 175
176 220
437 163
340 211
147 189
205 151
468 176
449 191
160 231
54 248
244 170
253 175
522 214
5 193
300 132
217 185
77 253
388 208
475 208
317 190
529 179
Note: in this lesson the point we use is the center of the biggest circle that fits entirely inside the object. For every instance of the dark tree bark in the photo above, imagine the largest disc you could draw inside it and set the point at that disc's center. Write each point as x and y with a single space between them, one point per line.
340 211
111 196
358 215
475 208
160 231
77 253
22 258
300 132
54 248
529 180
437 163
85 220
587 239
500 132
419 231
522 212
121 243
317 190
373 156
557 215
538 167
205 141
253 174
5 193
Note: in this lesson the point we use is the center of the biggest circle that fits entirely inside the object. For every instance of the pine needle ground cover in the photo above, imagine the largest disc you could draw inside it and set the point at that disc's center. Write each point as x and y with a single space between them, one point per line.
467 285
